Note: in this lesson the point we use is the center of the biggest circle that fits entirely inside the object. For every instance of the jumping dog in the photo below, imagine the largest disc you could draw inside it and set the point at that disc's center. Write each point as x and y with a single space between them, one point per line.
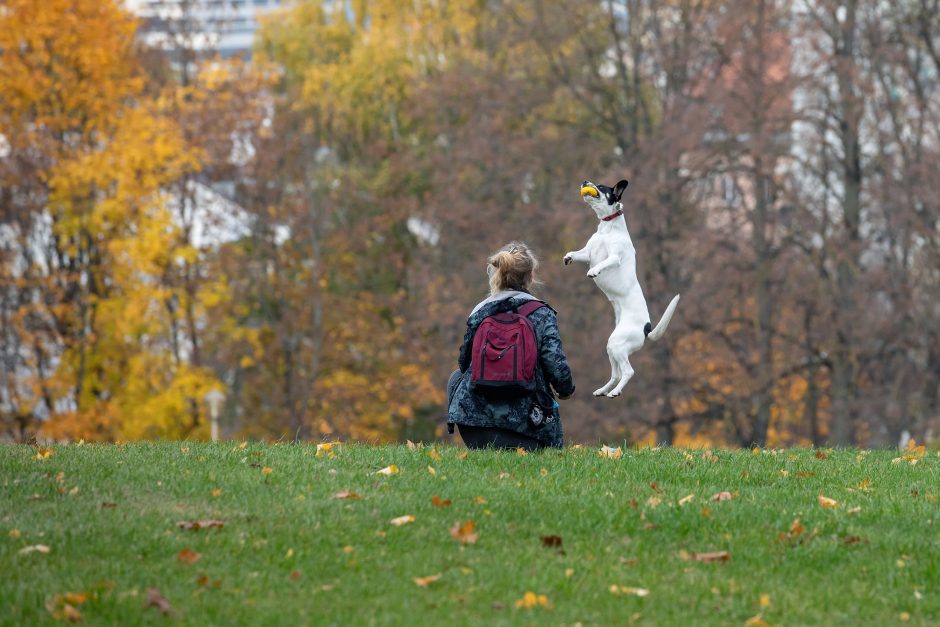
611 258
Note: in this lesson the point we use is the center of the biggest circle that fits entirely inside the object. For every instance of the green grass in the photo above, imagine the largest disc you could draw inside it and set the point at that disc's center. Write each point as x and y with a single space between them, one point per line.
877 566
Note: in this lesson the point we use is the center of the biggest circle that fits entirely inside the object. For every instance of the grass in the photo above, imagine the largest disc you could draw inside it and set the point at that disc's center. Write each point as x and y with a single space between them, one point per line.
290 553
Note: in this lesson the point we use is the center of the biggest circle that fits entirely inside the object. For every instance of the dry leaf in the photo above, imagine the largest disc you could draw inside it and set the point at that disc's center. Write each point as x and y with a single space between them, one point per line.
411 444
346 494
714 556
920 451
433 454
756 621
462 455
686 499
295 575
463 532
854 510
108 504
402 520
521 452
436 501
38 548
530 600
479 500
803 473
188 556
609 452
765 600
267 470
325 447
637 592
44 453
722 496
388 470
432 471
553 542
827 502
821 455
424 582
503 475
216 492
200 524
157 600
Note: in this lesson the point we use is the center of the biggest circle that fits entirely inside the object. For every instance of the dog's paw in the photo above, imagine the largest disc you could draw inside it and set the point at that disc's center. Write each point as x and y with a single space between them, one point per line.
599 392
567 259
592 274
613 394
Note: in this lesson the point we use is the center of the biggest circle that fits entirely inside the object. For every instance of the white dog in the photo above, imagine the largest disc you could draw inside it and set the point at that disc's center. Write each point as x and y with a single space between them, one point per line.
612 260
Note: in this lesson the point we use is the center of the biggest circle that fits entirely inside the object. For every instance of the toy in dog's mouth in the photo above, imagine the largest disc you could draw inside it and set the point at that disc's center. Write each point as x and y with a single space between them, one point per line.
590 190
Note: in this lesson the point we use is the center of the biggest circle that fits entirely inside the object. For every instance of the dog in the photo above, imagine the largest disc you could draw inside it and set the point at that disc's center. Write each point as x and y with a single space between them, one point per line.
612 264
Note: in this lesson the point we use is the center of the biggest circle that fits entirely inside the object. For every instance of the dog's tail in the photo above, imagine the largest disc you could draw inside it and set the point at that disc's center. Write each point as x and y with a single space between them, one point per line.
660 329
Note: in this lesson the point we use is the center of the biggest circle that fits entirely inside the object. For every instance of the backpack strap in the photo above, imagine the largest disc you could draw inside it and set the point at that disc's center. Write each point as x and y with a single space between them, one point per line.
530 307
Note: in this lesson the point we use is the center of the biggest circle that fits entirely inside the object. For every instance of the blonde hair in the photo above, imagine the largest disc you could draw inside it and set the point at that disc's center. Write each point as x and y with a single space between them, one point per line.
512 267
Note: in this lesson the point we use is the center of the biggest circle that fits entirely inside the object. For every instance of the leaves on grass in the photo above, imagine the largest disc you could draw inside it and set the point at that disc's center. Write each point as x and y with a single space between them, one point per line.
346 494
157 600
108 504
531 599
402 520
432 471
36 548
295 575
388 470
914 453
326 448
217 492
203 581
433 454
479 500
267 470
464 532
188 556
463 455
854 510
610 453
722 496
795 531
756 621
552 542
196 525
821 455
424 582
854 540
804 473
521 452
686 499
64 606
44 453
827 502
627 590
437 501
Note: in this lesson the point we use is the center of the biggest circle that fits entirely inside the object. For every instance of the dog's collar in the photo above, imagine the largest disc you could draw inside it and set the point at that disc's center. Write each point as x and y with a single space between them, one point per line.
619 212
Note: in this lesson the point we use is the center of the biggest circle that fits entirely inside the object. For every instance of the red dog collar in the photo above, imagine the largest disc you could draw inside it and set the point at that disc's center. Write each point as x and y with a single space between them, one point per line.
619 212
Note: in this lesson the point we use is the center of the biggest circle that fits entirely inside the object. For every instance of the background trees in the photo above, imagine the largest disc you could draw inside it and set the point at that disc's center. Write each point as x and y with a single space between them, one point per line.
307 229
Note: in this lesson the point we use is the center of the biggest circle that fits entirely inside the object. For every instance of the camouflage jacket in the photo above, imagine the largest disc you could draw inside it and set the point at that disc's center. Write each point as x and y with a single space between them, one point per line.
470 408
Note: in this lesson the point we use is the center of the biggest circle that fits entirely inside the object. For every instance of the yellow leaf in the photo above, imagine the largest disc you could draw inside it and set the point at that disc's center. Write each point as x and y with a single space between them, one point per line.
423 582
765 600
267 470
722 496
637 592
531 599
463 532
827 502
686 499
388 470
462 455
216 492
433 454
521 452
432 471
44 453
611 453
756 621
402 520
479 500
544 472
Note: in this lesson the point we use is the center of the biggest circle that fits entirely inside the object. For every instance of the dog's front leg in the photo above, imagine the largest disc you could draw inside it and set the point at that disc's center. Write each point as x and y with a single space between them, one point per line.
578 255
613 260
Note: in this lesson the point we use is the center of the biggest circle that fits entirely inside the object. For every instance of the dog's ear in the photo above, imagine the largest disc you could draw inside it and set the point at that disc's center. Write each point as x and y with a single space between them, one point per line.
619 188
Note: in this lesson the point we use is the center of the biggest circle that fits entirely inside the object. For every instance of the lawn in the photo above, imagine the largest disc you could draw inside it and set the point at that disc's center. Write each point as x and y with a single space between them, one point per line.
98 533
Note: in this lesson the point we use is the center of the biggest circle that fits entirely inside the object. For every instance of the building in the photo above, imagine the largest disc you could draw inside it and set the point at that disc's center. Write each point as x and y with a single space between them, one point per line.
224 26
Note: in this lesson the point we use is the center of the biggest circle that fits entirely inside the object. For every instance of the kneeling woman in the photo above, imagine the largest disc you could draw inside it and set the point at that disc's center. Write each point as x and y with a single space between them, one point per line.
521 419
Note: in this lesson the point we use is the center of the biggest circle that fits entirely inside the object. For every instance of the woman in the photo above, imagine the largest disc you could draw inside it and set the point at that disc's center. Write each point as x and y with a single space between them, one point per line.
528 420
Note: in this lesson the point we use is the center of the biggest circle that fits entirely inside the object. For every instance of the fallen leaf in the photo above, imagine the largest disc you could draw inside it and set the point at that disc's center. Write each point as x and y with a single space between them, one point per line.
348 549
821 455
432 471
108 504
609 452
686 499
765 600
411 444
569 572
714 556
325 447
267 470
388 470
437 501
653 502
854 510
157 600
756 621
200 524
433 454
463 455
15 534
295 575
188 556
44 453
904 617
521 452
637 592
543 472
706 512
503 475
912 446
463 532
479 500
553 542
38 548
216 492
827 502
424 582
804 473
402 520
722 496
346 494
531 599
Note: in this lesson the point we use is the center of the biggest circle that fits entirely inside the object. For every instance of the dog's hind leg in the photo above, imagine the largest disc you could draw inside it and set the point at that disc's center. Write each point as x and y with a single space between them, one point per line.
614 377
626 373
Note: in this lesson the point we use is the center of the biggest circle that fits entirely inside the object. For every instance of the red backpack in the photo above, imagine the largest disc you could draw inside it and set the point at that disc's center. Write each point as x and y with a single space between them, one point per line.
505 351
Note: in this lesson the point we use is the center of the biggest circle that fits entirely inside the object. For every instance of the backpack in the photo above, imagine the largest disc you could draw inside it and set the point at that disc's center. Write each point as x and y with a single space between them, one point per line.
505 351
